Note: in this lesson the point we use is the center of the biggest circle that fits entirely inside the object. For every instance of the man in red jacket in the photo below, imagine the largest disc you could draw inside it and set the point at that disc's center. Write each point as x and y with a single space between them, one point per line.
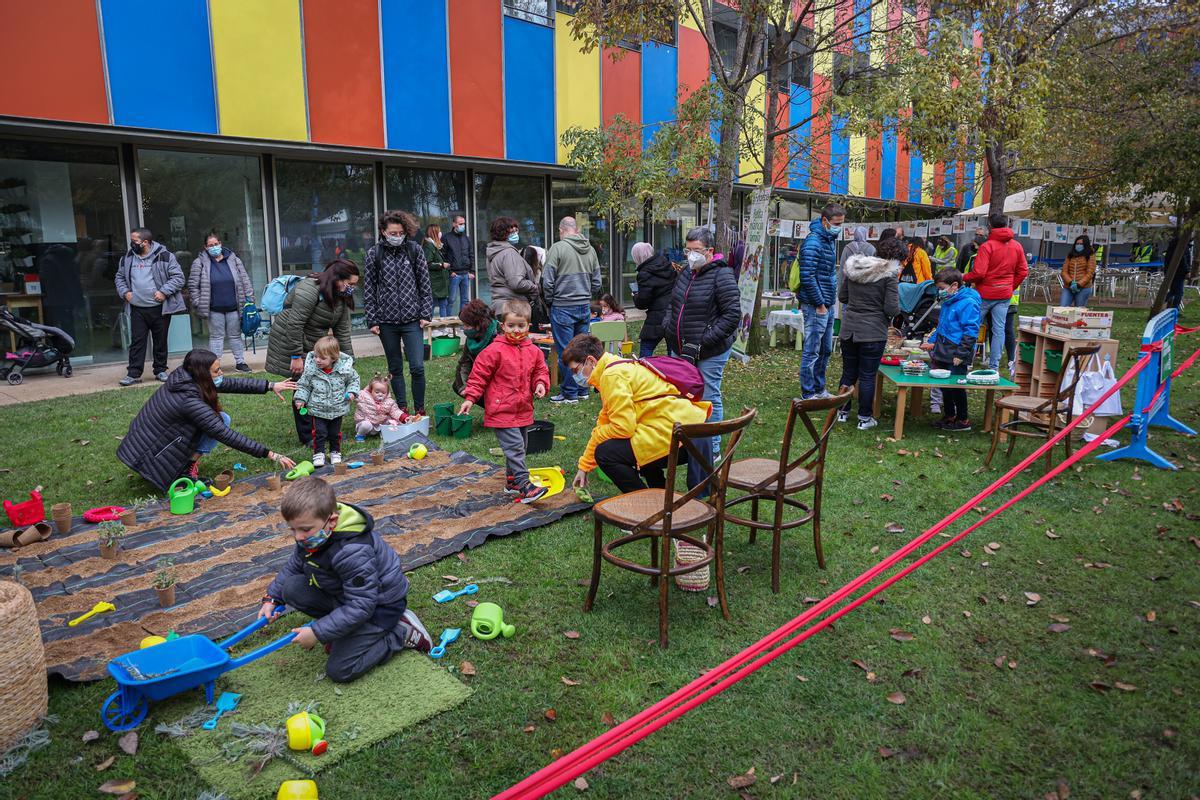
1000 268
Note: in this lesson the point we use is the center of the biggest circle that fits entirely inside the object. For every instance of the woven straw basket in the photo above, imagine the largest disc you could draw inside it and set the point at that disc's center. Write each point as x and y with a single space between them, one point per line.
689 554
23 694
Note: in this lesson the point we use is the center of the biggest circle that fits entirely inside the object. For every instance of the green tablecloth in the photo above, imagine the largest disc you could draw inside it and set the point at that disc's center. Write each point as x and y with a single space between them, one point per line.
896 375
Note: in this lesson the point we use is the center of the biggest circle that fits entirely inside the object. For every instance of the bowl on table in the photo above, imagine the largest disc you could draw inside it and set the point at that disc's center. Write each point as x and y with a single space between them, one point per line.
939 373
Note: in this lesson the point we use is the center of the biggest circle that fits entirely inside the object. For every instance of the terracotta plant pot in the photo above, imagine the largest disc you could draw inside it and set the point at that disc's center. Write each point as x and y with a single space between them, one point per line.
377 457
166 597
274 482
109 551
223 480
61 514
129 518
339 468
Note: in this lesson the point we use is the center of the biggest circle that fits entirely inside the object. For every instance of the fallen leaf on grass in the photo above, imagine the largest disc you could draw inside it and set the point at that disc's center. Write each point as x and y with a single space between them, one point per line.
915 672
580 783
894 527
874 550
926 619
886 752
1062 790
1151 616
979 509
1059 618
608 719
776 778
1125 687
802 679
106 763
1058 627
860 665
129 743
466 668
999 662
743 781
529 729
567 681
811 600
450 578
550 714
571 634
461 555
742 570
887 498
1032 598
901 636
713 602
90 736
1099 686
967 614
1050 534
117 787
897 698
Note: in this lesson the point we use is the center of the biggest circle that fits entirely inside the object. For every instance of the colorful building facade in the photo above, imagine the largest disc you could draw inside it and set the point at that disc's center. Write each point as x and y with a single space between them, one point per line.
288 125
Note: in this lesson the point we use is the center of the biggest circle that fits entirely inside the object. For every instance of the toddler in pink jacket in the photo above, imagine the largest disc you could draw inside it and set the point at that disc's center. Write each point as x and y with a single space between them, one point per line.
375 409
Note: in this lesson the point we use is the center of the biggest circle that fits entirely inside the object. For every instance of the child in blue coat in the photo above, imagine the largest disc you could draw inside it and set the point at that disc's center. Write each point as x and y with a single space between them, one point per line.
953 343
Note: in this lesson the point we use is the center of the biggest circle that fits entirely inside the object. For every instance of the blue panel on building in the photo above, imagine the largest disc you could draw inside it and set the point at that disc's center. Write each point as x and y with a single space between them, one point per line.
799 113
528 91
839 156
969 191
660 66
915 166
887 162
416 118
951 179
160 71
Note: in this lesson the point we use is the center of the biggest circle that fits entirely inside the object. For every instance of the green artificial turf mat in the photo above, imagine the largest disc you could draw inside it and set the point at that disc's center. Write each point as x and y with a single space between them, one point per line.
409 689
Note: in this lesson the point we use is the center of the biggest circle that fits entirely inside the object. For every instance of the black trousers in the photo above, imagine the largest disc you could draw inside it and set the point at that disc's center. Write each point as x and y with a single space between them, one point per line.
369 645
146 322
954 401
616 458
325 431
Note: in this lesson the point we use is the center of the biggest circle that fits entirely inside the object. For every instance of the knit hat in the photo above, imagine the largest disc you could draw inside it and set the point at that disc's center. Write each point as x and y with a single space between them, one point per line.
641 251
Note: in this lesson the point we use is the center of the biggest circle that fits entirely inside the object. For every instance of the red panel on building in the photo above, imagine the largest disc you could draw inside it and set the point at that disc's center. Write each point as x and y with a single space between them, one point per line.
821 155
874 166
51 62
960 179
477 78
987 190
345 90
693 61
621 86
939 182
902 159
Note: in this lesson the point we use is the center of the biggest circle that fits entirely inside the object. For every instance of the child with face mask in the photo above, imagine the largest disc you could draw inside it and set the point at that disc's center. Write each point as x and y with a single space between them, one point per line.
952 343
348 579
376 408
323 392
507 375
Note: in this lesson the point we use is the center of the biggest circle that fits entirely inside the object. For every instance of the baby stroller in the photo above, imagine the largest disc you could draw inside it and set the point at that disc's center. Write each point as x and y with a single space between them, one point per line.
919 309
37 346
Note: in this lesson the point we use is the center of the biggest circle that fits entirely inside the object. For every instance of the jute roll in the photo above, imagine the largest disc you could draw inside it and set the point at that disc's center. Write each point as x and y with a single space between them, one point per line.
23 693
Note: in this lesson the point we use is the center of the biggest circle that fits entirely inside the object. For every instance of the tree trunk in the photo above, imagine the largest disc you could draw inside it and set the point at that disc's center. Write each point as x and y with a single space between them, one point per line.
998 171
1171 269
754 343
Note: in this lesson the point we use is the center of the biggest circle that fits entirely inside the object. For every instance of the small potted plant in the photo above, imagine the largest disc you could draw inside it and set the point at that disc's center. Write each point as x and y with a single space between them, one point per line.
129 516
164 581
377 454
110 534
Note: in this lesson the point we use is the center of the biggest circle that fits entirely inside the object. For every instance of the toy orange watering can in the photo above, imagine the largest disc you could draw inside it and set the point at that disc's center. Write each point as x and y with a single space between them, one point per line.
297 790
99 608
306 731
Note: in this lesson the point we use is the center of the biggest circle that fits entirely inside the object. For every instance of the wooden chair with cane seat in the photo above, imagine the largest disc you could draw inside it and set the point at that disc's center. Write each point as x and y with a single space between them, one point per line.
1038 417
776 480
664 517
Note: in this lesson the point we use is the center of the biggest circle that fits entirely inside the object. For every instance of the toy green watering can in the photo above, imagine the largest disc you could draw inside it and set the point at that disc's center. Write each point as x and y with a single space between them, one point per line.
182 495
487 622
305 731
302 469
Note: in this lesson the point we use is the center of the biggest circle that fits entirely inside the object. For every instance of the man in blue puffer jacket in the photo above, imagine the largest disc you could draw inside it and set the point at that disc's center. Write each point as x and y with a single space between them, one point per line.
818 293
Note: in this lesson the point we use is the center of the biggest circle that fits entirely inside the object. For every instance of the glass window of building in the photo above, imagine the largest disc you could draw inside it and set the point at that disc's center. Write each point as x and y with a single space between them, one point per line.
569 199
185 195
62 232
430 195
538 11
670 227
518 196
326 211
628 279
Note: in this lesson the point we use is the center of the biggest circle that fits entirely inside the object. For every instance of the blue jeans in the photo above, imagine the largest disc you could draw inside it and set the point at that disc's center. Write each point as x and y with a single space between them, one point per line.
712 369
441 306
567 322
460 290
207 443
994 314
818 344
1080 298
402 341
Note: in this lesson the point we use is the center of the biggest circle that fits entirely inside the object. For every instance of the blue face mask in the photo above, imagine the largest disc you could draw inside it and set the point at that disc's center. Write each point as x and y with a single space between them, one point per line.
942 294
835 229
459 228
1078 248
316 540
215 250
513 238
580 378
217 381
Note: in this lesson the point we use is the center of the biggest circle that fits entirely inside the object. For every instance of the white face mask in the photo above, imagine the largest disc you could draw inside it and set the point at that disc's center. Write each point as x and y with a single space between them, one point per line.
394 241
696 259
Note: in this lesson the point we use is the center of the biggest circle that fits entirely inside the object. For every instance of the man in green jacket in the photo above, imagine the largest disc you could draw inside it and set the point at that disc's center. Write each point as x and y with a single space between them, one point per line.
569 280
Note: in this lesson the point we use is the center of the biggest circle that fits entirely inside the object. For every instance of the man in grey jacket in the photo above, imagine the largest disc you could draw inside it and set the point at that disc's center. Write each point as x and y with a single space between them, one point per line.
149 280
569 280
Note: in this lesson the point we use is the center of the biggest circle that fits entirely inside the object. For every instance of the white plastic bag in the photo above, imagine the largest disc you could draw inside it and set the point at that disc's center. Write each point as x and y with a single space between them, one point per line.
1093 383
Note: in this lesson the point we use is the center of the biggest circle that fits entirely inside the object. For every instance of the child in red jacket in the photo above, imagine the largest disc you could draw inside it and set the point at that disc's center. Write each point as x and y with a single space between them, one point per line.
507 375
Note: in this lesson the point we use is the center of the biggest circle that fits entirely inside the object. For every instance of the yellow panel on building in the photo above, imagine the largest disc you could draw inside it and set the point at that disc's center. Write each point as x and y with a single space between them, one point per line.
259 64
685 16
857 185
751 145
576 84
927 168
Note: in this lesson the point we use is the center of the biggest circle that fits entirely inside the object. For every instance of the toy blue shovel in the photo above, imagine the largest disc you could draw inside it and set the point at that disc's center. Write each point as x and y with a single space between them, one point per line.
445 595
226 702
448 636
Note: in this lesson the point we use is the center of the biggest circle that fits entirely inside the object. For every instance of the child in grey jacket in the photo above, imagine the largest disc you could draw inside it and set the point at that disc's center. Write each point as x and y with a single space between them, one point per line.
323 392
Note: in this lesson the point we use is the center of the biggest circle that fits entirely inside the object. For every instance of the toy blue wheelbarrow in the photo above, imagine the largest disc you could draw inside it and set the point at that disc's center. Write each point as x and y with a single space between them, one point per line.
174 666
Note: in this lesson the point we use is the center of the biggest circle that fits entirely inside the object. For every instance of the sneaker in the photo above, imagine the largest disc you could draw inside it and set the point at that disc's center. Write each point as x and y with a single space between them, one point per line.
843 416
335 457
823 395
935 408
531 492
510 484
943 422
129 380
958 426
318 459
162 376
194 470
358 438
866 423
242 366
559 399
1012 368
417 637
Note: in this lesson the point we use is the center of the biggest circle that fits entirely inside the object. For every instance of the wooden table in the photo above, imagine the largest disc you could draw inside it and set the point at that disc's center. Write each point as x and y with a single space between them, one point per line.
546 343
917 384
440 324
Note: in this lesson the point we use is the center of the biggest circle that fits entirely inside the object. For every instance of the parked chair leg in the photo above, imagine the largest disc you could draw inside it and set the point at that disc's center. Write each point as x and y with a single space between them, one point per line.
597 544
717 537
1012 442
998 423
776 543
663 587
753 516
816 523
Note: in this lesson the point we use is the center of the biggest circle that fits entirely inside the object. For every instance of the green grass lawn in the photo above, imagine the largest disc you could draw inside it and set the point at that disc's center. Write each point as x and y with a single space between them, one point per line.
997 706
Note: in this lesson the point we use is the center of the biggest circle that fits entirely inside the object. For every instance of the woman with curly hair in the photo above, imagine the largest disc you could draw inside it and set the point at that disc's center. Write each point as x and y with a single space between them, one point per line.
509 275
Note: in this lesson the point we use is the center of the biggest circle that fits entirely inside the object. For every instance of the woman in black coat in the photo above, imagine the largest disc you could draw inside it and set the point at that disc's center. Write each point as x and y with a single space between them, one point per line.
655 285
183 420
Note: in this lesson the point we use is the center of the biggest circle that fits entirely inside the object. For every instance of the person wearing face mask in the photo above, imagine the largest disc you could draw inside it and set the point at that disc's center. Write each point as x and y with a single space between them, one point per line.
321 302
1000 269
655 286
702 319
1078 272
818 293
183 421
952 343
150 281
219 285
966 256
399 303
509 275
458 251
945 254
480 329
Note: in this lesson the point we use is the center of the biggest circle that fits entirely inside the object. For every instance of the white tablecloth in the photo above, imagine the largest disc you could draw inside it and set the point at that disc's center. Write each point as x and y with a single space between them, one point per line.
787 319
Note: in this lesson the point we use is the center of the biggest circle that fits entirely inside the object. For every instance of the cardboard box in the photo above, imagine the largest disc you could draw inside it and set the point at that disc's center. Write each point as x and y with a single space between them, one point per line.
1080 333
1069 316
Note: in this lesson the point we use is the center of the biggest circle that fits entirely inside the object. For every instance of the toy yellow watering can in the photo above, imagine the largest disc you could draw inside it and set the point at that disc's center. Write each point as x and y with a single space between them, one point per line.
182 495
487 622
297 790
306 731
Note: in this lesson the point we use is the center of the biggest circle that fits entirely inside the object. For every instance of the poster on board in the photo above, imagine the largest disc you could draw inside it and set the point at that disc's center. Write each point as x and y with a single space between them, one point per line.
960 224
946 226
786 228
752 267
1061 233
922 229
1101 235
1023 228
773 227
1037 230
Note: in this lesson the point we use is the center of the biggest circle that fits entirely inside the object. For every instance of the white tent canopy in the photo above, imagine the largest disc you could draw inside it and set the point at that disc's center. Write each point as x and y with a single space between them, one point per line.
1021 205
